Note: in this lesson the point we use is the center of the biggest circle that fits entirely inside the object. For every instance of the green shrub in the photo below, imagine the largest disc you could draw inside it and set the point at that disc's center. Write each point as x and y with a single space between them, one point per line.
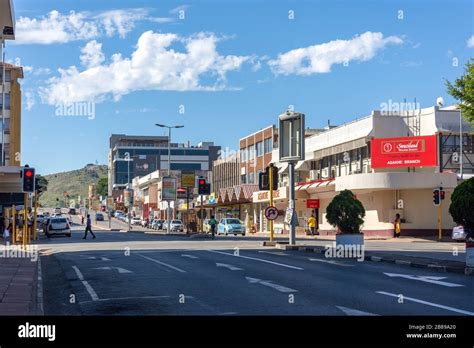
346 213
462 204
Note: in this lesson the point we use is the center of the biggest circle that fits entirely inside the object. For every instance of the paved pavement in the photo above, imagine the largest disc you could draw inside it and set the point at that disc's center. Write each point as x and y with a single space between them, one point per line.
140 274
18 283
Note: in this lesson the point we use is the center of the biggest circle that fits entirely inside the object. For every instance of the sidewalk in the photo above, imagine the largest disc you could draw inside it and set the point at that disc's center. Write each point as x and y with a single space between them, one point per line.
20 286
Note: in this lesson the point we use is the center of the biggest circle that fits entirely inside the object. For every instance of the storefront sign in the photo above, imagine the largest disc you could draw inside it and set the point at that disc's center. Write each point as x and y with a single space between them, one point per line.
264 196
312 203
416 151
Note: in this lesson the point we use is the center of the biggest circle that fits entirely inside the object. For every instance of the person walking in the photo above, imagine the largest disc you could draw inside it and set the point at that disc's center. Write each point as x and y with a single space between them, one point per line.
213 223
312 224
89 228
82 220
396 226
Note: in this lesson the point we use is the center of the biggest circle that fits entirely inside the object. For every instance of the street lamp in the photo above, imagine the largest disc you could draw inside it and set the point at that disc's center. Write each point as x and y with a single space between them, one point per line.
128 189
169 167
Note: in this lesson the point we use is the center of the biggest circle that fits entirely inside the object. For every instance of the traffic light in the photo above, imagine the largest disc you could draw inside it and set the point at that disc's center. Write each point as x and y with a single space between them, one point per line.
28 177
441 193
203 187
264 179
436 196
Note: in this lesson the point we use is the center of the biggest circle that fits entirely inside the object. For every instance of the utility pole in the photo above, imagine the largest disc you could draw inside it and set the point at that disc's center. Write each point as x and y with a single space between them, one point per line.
3 102
270 179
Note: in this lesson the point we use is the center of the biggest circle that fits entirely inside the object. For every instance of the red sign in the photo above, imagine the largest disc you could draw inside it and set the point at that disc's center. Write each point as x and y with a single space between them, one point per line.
312 203
418 151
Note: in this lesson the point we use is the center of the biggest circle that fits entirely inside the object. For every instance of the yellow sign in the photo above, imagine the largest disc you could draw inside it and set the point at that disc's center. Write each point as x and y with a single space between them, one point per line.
188 178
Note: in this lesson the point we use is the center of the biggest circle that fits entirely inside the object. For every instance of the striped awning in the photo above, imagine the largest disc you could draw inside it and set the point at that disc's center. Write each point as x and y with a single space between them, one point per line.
248 190
314 184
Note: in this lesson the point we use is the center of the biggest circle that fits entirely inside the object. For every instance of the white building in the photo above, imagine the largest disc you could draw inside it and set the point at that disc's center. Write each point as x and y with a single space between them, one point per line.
343 158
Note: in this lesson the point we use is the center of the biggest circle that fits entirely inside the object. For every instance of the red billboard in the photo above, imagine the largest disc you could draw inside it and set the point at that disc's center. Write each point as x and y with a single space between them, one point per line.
312 203
420 151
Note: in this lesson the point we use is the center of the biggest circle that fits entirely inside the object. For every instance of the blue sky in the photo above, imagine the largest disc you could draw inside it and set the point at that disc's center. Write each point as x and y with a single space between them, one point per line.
234 65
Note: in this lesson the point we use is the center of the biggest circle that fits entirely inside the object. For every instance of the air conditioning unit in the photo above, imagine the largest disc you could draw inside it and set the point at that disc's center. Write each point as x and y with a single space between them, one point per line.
314 175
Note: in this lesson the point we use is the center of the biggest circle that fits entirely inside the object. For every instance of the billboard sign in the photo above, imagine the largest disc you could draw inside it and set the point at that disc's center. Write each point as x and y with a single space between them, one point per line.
312 203
188 178
416 151
168 188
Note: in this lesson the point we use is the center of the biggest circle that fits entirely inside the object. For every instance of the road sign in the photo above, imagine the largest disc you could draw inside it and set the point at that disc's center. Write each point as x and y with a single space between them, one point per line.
271 213
168 188
188 178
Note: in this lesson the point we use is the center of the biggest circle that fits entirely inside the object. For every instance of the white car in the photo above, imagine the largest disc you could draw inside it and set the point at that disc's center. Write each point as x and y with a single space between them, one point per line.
58 225
57 211
176 225
459 233
136 221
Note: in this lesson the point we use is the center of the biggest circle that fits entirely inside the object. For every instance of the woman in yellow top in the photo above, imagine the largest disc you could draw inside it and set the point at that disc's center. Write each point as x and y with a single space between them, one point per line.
396 225
312 224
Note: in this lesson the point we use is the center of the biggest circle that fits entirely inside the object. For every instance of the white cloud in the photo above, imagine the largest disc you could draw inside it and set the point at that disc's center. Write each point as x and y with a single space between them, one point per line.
92 54
56 27
30 100
320 58
154 65
470 42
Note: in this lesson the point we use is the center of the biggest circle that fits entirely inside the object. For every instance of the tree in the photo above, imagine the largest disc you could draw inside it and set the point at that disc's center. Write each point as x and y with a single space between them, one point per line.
103 187
346 212
41 185
462 203
463 90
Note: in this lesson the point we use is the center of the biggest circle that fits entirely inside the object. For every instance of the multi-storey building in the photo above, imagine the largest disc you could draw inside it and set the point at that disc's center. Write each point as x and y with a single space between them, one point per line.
149 154
391 162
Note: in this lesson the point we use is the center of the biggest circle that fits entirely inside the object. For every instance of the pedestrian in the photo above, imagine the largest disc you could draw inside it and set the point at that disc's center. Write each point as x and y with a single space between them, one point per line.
312 224
396 226
82 220
213 224
88 228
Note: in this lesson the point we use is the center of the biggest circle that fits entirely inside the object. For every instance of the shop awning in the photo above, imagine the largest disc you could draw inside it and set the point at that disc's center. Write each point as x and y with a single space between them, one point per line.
302 166
314 185
282 167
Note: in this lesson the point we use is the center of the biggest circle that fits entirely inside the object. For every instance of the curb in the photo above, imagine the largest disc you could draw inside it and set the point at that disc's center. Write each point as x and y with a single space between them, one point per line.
367 257
39 290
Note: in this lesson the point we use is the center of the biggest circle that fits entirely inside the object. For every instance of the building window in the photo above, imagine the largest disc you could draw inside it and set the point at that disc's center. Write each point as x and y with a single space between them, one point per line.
243 154
8 76
251 178
268 145
7 101
259 148
243 178
251 152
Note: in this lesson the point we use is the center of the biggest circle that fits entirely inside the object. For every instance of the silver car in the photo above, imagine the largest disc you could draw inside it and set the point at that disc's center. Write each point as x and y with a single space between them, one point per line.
459 233
176 225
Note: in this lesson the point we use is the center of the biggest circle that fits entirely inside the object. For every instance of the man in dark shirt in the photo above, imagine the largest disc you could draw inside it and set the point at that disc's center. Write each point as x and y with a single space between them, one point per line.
88 227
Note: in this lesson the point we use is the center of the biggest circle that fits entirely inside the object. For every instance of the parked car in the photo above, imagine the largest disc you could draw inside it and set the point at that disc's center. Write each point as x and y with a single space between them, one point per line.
117 213
206 226
156 224
99 217
231 226
58 225
164 225
136 221
176 225
144 223
72 211
57 211
459 233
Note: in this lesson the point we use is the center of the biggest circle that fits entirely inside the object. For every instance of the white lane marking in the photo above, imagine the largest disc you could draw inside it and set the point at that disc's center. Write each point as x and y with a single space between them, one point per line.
40 288
272 252
190 256
331 262
89 288
119 269
79 274
427 303
95 258
257 259
268 283
162 263
127 298
232 268
427 279
351 311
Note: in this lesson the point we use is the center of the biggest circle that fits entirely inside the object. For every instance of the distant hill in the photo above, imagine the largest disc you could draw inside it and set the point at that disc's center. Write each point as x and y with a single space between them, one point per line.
75 182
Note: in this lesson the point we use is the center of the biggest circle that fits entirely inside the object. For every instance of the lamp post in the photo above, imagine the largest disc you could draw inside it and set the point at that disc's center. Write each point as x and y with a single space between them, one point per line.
460 144
128 159
168 215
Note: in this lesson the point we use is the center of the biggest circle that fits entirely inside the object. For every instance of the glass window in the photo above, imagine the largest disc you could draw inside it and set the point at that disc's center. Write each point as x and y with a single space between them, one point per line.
243 178
7 101
243 155
268 145
8 76
251 178
259 148
251 152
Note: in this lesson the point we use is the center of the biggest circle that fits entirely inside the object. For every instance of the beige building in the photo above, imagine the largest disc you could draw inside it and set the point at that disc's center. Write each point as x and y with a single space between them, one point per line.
341 158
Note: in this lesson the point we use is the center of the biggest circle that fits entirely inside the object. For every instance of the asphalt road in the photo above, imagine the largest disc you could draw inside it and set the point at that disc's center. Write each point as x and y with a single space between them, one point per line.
123 273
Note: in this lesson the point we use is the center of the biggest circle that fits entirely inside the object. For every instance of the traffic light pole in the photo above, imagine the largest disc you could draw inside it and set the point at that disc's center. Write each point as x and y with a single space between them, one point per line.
440 216
292 234
25 219
202 216
270 179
